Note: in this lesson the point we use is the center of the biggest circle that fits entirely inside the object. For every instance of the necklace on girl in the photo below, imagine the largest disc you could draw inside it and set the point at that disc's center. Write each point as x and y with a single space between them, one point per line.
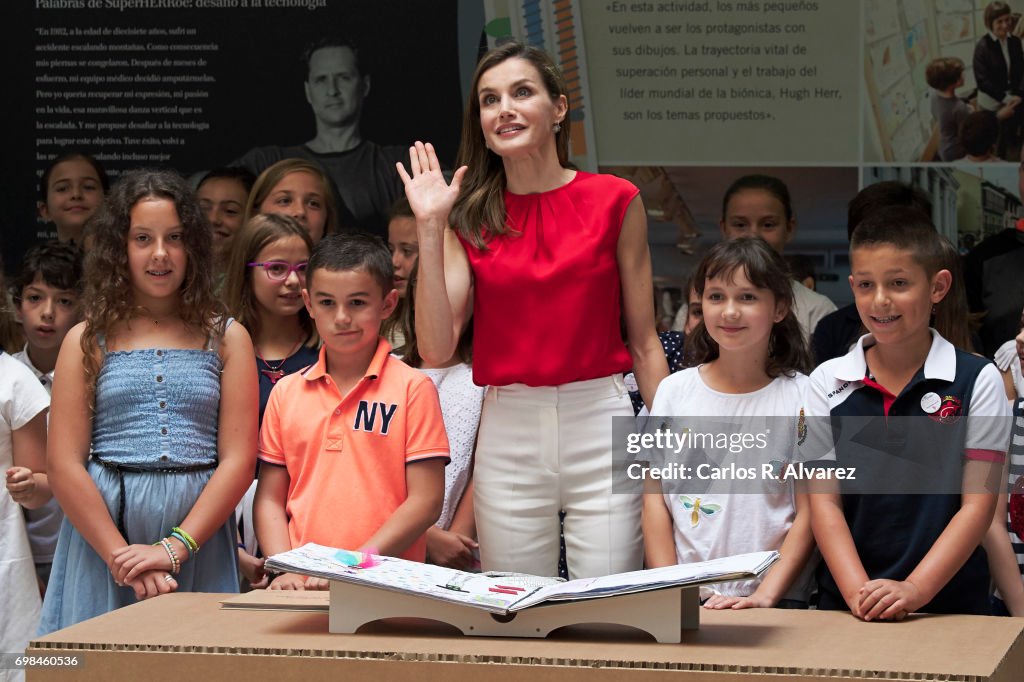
274 373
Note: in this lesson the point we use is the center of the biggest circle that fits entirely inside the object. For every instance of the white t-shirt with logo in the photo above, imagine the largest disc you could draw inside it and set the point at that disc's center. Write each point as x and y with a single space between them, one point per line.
717 525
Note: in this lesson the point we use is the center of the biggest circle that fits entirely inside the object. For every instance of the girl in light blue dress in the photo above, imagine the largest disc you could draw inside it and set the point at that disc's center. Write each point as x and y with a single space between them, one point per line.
153 428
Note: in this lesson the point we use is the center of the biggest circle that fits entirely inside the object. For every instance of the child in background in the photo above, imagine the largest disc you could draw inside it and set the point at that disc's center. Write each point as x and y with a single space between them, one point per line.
838 332
689 314
944 75
12 339
952 318
153 434
801 268
300 189
223 194
672 342
979 132
887 555
694 309
452 540
1009 364
263 292
23 404
71 190
45 293
404 245
759 206
1006 559
388 489
751 353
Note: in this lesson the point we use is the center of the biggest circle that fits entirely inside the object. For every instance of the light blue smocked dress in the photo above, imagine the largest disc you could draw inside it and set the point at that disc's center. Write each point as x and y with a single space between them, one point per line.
156 410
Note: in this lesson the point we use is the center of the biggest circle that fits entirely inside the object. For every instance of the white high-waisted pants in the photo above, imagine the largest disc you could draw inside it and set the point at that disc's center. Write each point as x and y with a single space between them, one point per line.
545 449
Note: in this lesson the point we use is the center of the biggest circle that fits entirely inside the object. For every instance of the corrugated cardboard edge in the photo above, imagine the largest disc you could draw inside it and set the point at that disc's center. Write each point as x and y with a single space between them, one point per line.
279 600
308 670
188 632
1003 672
1011 668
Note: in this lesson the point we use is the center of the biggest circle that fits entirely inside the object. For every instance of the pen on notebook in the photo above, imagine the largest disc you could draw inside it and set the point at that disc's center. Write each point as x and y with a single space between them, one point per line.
512 592
511 587
454 588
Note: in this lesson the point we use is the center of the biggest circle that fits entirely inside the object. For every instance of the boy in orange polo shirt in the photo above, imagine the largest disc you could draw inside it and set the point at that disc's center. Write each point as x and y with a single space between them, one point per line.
355 443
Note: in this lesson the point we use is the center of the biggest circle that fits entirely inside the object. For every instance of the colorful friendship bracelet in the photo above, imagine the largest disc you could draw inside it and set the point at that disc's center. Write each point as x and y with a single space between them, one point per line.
182 540
189 541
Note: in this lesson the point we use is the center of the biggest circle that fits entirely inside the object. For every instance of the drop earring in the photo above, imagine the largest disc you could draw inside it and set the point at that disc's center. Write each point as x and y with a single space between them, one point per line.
557 128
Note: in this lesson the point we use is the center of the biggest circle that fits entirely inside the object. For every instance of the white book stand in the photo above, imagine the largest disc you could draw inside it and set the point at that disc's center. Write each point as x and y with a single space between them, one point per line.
661 613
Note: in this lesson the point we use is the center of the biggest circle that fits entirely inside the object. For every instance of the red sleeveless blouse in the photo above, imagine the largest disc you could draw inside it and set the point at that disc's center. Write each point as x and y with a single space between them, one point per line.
547 298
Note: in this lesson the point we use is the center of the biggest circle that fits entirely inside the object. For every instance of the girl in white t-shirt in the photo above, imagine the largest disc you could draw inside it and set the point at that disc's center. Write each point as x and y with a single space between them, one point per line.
23 407
452 540
749 353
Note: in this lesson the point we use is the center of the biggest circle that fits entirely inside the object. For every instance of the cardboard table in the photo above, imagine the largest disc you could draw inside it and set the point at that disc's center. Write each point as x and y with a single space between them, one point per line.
189 637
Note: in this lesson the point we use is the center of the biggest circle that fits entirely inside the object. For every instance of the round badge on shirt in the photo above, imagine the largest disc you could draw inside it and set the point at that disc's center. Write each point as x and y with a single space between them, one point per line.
931 402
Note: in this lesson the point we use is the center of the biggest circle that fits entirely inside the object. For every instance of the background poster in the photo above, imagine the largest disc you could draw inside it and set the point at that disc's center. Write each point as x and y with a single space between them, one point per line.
194 84
663 92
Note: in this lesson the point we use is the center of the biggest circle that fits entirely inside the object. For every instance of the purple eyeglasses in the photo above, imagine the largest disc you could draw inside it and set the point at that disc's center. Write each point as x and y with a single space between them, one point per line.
278 270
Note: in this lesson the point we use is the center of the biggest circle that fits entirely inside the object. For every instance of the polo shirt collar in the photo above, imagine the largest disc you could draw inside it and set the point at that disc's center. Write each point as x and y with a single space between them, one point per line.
318 369
45 378
940 363
379 358
28 363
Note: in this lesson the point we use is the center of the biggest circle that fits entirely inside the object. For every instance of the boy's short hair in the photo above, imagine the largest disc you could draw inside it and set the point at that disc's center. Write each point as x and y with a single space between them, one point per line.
944 72
903 228
353 251
801 266
978 132
880 195
59 264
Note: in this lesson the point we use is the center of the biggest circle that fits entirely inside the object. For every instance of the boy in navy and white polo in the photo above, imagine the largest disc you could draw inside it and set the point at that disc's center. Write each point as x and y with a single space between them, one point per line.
883 553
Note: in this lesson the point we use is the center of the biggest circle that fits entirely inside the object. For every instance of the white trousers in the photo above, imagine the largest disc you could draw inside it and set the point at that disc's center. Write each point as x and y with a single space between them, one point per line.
544 449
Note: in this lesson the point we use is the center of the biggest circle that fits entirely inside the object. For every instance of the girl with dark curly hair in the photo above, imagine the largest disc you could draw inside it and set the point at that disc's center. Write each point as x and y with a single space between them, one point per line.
153 434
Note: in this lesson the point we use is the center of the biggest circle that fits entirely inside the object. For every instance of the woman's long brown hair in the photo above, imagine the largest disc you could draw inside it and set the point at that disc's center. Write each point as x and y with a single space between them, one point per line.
479 211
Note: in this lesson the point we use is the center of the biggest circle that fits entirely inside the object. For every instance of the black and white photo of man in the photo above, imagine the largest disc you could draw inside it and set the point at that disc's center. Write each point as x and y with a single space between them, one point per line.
336 86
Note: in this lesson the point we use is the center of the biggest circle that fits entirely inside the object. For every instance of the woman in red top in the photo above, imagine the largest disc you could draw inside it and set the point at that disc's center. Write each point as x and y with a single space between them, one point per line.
549 261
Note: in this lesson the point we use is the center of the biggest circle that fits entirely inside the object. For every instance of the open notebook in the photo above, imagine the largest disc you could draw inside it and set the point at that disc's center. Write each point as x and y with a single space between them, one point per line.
504 593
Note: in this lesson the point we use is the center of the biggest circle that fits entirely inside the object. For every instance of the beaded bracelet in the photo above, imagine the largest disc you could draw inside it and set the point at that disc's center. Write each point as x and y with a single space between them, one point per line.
174 555
169 548
188 539
175 565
